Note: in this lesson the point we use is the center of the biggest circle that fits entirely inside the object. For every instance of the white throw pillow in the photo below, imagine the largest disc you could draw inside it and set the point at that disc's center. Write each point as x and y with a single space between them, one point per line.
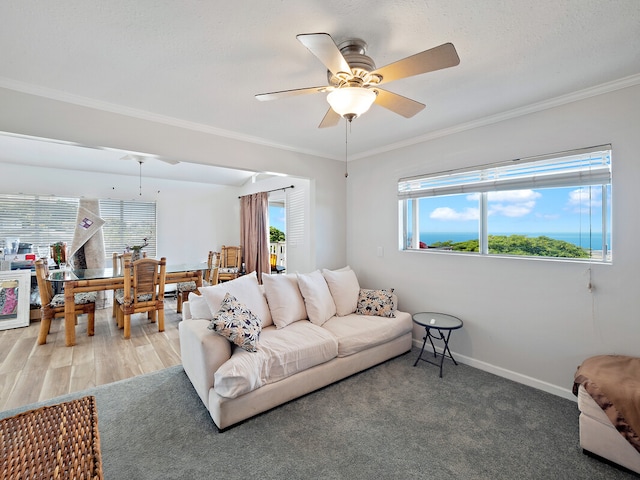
344 287
317 297
284 298
246 290
198 307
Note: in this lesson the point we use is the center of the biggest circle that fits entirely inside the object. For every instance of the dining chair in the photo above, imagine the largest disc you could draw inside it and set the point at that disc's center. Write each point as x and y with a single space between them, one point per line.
209 278
230 261
117 260
143 291
52 306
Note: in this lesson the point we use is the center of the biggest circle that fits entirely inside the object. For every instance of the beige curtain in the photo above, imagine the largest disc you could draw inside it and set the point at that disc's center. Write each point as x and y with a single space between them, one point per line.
254 232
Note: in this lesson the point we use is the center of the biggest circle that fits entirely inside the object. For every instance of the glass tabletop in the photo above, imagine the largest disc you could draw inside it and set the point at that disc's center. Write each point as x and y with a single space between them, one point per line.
68 274
437 320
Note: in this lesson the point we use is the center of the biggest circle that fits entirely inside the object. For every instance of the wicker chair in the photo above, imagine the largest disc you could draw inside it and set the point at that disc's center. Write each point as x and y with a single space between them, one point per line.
230 261
52 306
210 278
143 291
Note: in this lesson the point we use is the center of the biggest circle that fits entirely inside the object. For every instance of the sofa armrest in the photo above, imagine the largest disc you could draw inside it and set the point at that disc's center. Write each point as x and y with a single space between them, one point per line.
202 352
186 311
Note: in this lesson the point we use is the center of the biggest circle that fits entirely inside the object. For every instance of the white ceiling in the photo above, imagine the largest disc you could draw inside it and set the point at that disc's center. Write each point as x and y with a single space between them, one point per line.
202 62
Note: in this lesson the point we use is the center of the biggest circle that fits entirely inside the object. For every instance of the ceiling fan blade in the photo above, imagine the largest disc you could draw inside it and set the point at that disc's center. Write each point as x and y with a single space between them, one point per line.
291 93
436 58
330 119
398 104
323 47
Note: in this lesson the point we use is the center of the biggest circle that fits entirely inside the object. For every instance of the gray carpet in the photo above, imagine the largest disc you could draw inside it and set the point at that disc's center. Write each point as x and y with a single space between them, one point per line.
393 421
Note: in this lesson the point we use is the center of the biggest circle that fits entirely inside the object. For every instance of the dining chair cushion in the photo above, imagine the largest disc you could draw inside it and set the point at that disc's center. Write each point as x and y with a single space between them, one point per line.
141 298
186 286
344 287
228 270
284 298
79 299
317 297
237 323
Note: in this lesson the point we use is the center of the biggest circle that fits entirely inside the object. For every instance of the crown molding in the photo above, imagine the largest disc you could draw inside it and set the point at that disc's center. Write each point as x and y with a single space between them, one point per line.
608 87
53 94
36 90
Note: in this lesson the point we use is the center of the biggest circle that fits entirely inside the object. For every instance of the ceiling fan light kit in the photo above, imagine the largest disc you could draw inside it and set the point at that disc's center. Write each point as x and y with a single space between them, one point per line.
351 102
352 75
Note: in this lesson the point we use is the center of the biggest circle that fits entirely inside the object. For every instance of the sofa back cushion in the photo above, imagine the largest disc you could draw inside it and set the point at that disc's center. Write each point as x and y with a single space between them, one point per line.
246 290
198 307
317 297
286 303
344 287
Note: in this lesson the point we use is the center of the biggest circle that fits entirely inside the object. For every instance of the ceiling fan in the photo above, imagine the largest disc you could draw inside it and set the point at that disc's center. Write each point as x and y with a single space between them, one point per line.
354 79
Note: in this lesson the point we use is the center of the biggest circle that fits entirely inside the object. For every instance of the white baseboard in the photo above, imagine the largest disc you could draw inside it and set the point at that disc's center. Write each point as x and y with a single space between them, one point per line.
509 374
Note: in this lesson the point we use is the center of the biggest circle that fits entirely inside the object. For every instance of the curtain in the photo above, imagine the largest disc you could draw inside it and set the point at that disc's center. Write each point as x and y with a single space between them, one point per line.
254 232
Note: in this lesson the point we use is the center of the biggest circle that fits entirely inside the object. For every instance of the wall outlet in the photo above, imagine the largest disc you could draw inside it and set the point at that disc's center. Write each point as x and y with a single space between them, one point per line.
380 252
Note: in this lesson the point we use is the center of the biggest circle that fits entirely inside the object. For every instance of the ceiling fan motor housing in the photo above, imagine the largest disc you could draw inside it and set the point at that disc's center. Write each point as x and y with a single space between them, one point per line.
354 53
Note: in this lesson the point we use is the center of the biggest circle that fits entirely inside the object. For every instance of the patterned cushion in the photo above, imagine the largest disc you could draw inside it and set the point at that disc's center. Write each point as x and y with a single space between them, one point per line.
119 295
228 270
79 298
235 322
186 286
376 302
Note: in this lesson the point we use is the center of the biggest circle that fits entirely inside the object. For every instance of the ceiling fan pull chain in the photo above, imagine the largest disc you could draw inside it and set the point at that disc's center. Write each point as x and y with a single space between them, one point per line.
347 123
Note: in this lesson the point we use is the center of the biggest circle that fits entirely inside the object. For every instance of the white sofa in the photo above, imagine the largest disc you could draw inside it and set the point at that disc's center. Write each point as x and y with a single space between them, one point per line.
297 333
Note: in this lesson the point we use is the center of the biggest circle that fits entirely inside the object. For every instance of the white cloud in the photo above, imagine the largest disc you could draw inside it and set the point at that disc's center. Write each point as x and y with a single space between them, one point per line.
515 196
513 210
446 213
582 196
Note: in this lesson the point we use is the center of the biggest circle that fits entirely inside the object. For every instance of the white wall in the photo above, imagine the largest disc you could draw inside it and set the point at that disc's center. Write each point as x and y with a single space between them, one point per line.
530 320
186 205
187 222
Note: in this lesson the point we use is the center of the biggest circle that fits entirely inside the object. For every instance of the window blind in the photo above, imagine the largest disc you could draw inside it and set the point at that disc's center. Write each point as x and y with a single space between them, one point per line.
577 168
44 220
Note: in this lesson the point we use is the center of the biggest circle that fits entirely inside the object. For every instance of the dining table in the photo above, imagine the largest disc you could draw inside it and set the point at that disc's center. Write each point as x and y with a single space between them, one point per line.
100 279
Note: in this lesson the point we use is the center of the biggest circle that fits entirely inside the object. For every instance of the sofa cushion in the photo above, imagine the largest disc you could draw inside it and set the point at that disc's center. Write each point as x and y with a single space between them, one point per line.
381 303
317 297
344 288
281 353
356 333
237 323
284 298
198 307
246 290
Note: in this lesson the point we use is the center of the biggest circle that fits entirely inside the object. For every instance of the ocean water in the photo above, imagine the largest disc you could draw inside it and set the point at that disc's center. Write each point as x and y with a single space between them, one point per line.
581 240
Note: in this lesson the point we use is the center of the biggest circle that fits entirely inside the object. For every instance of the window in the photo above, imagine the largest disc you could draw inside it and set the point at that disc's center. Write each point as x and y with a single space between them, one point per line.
551 206
44 220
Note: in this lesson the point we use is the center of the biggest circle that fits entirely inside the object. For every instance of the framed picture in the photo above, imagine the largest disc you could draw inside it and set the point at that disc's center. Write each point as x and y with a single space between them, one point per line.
15 288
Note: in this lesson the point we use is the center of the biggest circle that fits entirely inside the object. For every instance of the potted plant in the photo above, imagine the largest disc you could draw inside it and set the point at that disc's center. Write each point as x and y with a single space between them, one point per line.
137 249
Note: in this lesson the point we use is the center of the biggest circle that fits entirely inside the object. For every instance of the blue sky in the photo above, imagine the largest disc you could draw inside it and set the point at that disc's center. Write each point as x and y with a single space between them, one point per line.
517 211
276 217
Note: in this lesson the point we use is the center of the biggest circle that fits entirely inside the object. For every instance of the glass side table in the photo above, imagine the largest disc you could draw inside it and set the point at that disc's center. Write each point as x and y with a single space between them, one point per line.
444 324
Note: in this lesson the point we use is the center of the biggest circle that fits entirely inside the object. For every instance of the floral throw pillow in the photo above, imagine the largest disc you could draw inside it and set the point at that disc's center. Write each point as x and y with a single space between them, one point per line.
236 322
376 302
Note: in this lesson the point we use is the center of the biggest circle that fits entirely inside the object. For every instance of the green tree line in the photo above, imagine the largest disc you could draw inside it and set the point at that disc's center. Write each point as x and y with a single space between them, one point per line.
519 245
